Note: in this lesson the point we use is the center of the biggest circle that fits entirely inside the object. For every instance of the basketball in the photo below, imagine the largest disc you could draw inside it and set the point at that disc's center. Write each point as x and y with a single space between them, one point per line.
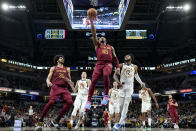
93 12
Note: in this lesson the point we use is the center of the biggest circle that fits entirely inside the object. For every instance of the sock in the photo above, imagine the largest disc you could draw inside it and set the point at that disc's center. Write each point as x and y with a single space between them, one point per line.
149 121
71 121
109 122
143 122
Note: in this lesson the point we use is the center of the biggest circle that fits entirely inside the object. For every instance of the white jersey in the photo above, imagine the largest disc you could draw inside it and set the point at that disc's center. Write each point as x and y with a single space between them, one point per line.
114 95
127 75
145 96
83 87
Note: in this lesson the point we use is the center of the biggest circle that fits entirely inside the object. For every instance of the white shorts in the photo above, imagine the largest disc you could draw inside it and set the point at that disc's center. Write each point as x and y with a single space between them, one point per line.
146 106
114 108
80 99
79 103
126 91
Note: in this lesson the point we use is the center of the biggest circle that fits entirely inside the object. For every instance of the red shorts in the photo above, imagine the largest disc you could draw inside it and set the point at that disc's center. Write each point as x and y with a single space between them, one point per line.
103 69
59 92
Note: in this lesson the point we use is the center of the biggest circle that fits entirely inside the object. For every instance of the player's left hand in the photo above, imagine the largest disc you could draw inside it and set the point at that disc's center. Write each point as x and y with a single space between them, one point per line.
117 71
157 105
143 86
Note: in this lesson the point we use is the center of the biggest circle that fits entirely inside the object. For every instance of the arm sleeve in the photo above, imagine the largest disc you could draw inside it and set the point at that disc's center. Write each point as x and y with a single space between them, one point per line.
138 78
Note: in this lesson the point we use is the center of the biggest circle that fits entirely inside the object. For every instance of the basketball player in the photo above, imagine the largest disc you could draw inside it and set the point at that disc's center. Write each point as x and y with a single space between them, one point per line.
128 72
105 115
171 107
113 104
60 76
105 56
82 86
146 94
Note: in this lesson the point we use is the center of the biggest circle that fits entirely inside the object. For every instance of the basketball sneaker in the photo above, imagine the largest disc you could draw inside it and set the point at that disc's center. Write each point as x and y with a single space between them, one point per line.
123 126
149 128
175 126
88 105
55 124
77 125
143 128
116 126
39 125
109 125
105 100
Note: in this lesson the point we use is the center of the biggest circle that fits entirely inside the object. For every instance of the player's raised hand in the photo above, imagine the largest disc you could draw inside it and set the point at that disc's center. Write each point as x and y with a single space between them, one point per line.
143 85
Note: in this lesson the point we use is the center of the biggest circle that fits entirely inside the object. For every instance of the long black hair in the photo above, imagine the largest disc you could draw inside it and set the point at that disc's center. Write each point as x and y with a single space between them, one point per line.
55 59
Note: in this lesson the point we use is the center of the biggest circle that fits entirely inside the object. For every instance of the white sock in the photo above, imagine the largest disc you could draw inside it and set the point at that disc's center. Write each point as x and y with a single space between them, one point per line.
149 121
71 121
144 123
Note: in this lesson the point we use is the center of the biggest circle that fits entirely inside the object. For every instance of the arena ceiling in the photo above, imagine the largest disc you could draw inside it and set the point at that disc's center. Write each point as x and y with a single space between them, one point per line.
173 30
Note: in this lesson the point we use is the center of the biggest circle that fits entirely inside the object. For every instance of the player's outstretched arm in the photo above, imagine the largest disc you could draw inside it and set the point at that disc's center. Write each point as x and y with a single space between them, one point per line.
117 75
48 79
116 62
137 77
153 96
93 31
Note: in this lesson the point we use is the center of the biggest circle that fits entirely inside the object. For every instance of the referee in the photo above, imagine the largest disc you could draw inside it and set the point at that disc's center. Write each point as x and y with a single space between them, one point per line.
30 116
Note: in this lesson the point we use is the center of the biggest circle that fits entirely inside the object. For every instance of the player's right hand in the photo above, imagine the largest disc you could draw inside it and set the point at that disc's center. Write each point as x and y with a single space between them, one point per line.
49 84
143 85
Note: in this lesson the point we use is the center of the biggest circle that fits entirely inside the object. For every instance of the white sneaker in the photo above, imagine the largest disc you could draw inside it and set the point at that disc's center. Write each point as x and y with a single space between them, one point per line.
109 126
77 125
177 127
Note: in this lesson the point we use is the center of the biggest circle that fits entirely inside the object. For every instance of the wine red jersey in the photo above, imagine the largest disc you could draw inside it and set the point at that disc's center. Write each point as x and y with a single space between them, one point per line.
171 107
59 76
104 53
